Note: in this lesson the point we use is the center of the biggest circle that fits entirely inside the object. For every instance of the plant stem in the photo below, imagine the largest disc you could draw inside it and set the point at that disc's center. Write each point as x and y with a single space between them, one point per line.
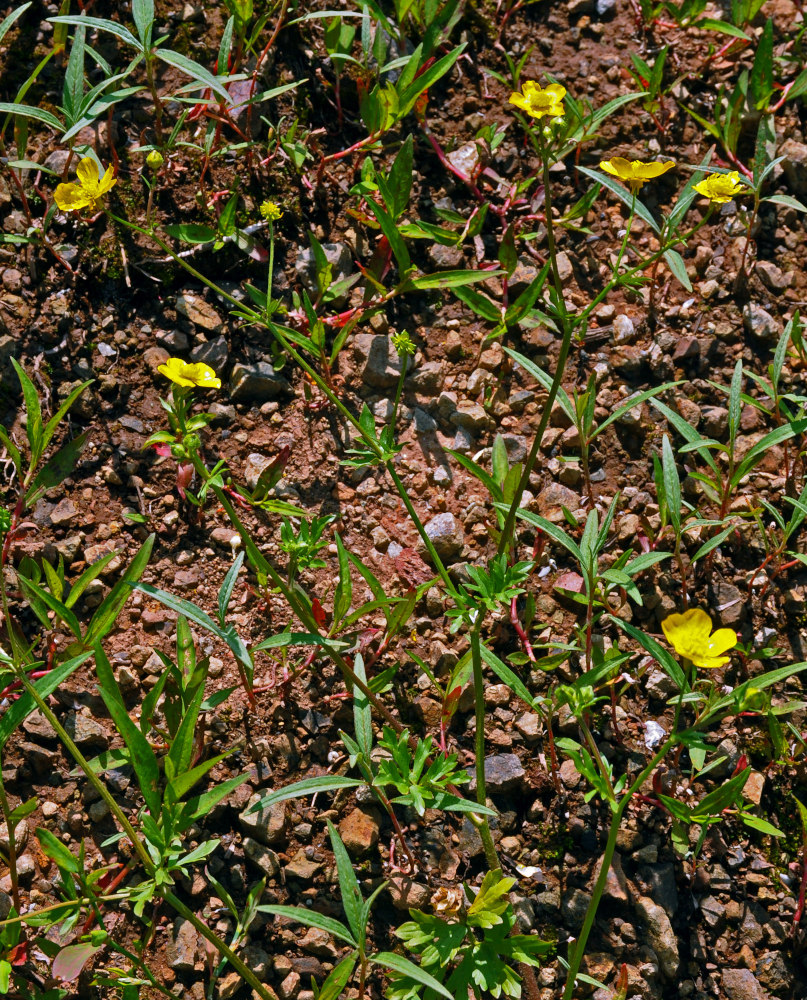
618 811
482 824
567 329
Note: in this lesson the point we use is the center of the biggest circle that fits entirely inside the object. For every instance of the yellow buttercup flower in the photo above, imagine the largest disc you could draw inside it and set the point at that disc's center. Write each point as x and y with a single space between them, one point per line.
721 188
271 211
691 636
538 101
88 192
199 374
634 173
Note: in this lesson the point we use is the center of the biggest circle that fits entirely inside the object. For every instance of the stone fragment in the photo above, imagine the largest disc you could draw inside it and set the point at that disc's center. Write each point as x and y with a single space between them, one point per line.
770 276
182 946
359 832
262 857
624 331
794 165
338 255
573 908
761 324
85 732
214 353
503 773
197 311
302 868
64 513
661 936
742 984
256 383
407 894
445 533
376 360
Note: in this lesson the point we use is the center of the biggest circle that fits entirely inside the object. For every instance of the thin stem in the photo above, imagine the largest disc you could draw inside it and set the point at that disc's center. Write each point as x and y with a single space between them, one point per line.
567 329
12 846
483 826
579 948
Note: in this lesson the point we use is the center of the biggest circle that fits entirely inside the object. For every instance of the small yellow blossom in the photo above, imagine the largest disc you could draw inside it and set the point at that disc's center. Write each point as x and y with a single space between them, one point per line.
721 188
634 173
182 373
271 211
538 101
88 192
690 635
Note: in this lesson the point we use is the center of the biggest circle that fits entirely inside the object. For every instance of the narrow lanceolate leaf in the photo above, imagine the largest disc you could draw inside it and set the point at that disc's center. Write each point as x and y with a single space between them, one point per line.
401 965
228 586
362 713
308 786
348 883
311 918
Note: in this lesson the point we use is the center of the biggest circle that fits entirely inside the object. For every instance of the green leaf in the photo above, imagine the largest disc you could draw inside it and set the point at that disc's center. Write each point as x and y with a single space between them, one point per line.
190 232
56 851
19 710
757 823
665 659
63 613
400 180
57 468
338 978
195 71
141 755
450 279
36 113
678 268
623 194
344 588
505 674
100 24
348 884
787 201
403 967
713 24
112 605
8 21
308 786
390 230
311 918
227 587
362 713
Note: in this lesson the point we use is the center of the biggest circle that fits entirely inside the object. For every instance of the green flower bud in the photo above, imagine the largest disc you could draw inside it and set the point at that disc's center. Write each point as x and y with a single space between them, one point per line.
155 159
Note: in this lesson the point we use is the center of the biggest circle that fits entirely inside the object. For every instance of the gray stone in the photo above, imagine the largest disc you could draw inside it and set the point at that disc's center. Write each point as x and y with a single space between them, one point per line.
212 352
377 360
256 383
470 416
445 533
530 727
728 601
174 341
407 894
565 270
742 984
428 379
465 159
64 513
573 908
606 9
771 971
301 868
624 330
770 276
761 324
659 686
262 857
503 773
445 258
555 496
715 421
256 959
85 732
182 946
795 165
661 936
714 913
197 311
267 825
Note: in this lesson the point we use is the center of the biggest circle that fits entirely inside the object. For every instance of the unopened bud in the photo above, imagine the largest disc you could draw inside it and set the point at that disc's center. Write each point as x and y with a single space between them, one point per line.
155 159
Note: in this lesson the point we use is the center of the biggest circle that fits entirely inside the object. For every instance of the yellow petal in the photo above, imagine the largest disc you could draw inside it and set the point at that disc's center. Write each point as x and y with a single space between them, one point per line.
557 92
88 175
71 198
653 169
174 369
609 168
520 101
107 182
711 662
721 642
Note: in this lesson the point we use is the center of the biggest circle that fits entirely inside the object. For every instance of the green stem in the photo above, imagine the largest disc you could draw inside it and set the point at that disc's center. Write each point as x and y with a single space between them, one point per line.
482 825
263 991
579 948
12 846
567 329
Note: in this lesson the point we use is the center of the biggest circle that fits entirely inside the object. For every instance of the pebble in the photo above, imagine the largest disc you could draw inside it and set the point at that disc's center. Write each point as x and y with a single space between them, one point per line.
214 353
182 946
267 825
503 773
661 936
623 329
742 984
256 383
760 323
359 831
376 360
199 312
446 535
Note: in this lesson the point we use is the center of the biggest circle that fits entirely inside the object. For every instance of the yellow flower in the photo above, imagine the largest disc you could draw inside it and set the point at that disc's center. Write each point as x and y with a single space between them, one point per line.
539 101
269 210
88 192
690 635
182 373
634 173
721 188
